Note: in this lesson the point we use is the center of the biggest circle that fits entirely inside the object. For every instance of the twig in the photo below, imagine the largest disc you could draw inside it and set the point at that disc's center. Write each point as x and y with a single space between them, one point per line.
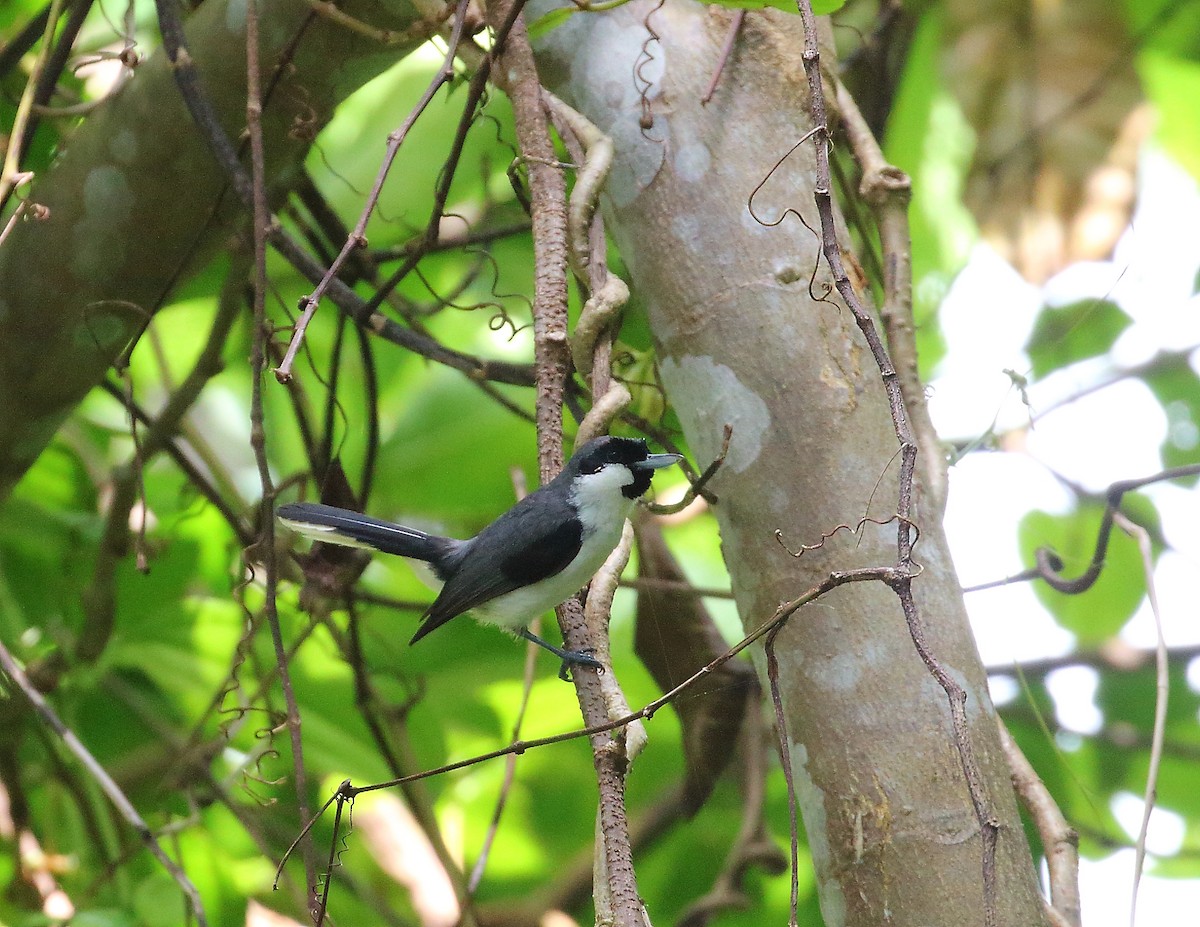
700 484
753 845
475 93
322 905
99 598
956 695
888 190
1050 565
447 242
785 758
18 46
330 11
1046 558
197 479
679 587
1162 686
510 765
358 237
1060 841
10 170
52 70
258 437
122 804
735 27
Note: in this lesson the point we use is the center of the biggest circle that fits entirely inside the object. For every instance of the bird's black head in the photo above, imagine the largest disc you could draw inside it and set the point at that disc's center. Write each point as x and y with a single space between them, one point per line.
631 453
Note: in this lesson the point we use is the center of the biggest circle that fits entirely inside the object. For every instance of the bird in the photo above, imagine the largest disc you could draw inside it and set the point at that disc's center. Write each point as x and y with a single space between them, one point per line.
532 558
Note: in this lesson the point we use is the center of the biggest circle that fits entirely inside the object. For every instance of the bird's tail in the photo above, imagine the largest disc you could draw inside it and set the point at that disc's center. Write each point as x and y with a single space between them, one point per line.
352 529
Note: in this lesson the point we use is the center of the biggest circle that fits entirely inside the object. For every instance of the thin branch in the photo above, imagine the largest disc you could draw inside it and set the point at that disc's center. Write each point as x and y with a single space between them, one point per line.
956 696
120 802
1060 841
176 452
510 765
10 170
888 190
56 61
834 580
258 436
322 902
753 845
731 36
785 758
99 598
1046 558
204 114
698 487
1162 685
18 46
446 242
1050 565
358 236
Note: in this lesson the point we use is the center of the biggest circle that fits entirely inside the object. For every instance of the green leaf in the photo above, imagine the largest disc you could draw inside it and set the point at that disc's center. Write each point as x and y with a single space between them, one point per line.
551 20
1100 612
103 917
1063 335
1165 26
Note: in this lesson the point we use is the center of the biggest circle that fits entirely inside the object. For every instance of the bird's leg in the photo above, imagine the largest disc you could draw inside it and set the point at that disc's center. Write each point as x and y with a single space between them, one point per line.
569 657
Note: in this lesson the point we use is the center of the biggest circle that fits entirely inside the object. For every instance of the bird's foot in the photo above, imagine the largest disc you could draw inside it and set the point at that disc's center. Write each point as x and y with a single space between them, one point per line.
569 657
577 658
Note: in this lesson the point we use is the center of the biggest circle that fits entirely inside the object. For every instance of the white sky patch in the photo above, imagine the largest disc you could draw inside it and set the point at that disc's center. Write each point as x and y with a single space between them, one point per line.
1110 435
989 493
1004 689
1073 689
1164 835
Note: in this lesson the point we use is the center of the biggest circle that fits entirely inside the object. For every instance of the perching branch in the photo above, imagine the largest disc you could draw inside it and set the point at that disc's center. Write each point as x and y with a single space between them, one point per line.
551 362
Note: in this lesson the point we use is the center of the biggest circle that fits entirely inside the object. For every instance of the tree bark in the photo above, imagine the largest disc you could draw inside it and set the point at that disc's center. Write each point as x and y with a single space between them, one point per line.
744 339
137 203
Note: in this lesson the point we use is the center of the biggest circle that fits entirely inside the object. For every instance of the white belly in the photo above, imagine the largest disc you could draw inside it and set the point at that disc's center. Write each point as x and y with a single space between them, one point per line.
517 608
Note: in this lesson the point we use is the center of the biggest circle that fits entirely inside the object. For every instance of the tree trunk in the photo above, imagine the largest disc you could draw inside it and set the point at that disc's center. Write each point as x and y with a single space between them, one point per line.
743 341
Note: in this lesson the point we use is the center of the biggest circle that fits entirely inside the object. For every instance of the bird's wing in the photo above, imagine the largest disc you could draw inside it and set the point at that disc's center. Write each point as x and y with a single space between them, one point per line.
526 544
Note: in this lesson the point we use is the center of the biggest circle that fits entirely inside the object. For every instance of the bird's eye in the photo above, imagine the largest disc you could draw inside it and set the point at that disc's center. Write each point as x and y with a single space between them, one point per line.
592 466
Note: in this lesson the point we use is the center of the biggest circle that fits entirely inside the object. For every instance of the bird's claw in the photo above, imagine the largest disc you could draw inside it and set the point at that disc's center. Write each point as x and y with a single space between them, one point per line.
578 658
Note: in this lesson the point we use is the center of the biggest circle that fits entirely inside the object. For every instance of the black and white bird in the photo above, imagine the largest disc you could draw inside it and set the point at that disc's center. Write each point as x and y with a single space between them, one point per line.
533 557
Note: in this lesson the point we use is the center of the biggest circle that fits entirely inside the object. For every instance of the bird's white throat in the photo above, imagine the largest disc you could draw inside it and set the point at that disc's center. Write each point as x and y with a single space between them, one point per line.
599 500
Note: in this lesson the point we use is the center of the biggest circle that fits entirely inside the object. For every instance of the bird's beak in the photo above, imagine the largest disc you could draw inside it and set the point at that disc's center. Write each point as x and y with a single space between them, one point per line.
656 462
